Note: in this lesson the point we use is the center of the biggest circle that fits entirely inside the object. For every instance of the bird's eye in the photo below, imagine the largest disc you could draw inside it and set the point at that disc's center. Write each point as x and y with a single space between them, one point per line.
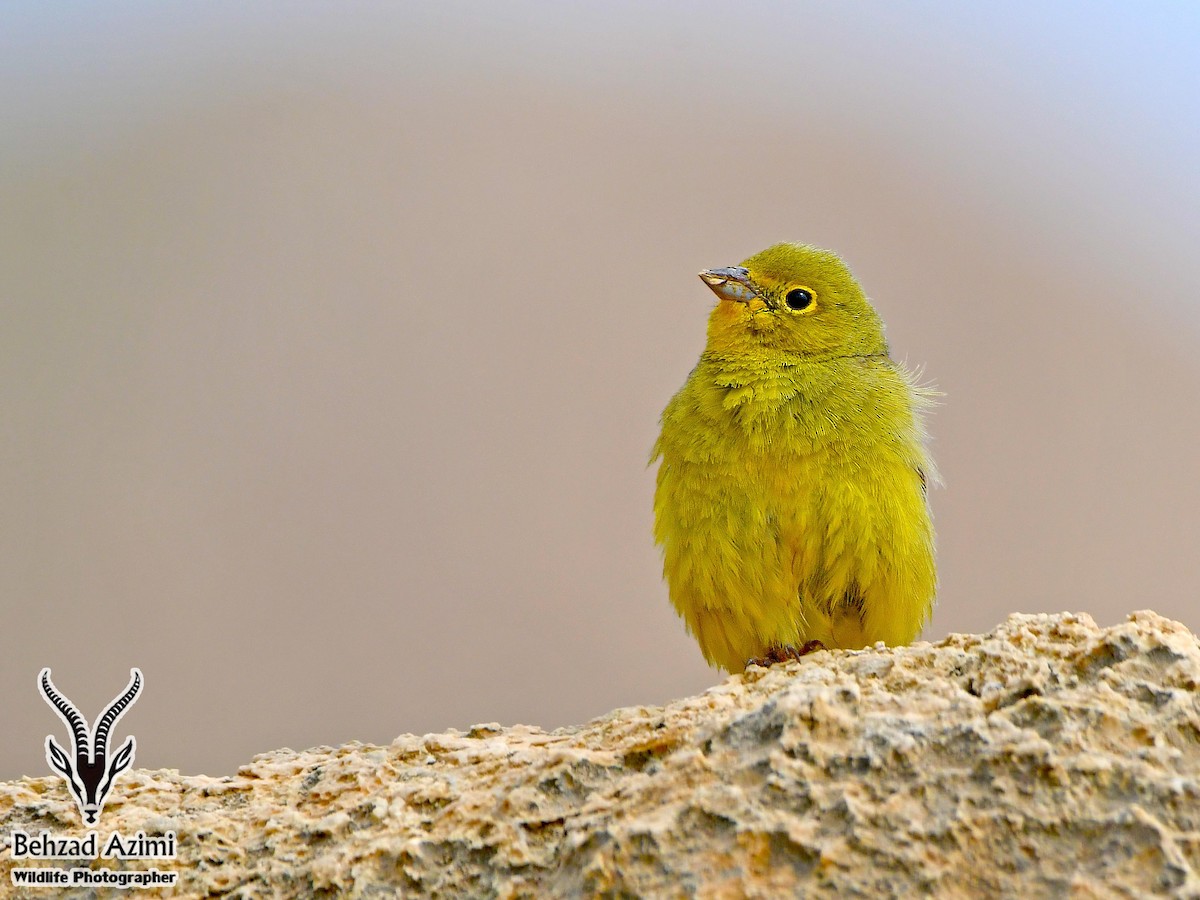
798 298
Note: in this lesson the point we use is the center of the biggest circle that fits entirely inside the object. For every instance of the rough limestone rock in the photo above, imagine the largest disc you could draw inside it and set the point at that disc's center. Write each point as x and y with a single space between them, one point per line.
1050 757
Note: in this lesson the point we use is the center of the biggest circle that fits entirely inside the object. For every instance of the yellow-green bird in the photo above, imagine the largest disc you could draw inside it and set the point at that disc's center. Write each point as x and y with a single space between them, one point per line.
791 499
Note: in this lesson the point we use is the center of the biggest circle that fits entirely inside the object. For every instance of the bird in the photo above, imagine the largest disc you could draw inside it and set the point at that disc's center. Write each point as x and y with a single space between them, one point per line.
791 499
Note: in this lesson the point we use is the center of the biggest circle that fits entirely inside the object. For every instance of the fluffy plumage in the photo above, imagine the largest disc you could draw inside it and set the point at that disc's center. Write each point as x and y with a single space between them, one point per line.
790 503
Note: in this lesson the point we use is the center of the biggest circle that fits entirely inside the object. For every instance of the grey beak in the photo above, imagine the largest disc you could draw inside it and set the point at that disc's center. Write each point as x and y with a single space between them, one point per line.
729 283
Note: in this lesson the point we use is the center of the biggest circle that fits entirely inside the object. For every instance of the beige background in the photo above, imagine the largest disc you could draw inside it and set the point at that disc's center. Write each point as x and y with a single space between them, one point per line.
333 348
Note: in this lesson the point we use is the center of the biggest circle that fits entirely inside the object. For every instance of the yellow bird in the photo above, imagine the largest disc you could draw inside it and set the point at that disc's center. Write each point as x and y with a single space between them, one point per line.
791 503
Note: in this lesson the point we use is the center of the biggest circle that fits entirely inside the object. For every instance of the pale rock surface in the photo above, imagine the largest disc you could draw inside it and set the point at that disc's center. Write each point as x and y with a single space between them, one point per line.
1049 758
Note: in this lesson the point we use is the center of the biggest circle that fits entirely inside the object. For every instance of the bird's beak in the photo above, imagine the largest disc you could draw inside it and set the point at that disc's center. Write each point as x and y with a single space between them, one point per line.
730 283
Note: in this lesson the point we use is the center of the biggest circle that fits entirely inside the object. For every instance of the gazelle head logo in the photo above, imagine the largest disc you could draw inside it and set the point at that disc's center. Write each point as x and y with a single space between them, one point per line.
93 771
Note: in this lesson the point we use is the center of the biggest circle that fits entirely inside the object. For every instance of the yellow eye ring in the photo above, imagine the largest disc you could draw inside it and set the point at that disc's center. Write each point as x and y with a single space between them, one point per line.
799 299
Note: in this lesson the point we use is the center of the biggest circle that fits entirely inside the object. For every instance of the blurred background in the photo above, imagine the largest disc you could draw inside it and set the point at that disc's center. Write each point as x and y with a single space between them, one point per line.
335 336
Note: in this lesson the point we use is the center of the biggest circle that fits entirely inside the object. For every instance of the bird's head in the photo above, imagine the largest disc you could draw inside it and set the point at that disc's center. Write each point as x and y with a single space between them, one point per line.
794 300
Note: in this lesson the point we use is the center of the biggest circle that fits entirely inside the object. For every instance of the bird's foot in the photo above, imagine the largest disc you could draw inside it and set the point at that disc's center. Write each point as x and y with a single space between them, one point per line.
784 653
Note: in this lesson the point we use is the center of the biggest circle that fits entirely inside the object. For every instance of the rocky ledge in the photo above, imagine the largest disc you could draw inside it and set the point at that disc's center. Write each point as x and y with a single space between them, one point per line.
1048 757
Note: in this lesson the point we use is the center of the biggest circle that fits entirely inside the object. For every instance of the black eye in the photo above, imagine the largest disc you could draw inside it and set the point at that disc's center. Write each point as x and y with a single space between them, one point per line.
798 298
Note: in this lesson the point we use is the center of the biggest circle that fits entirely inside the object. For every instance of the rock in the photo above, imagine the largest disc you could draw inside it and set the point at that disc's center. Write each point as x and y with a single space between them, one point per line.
1049 757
